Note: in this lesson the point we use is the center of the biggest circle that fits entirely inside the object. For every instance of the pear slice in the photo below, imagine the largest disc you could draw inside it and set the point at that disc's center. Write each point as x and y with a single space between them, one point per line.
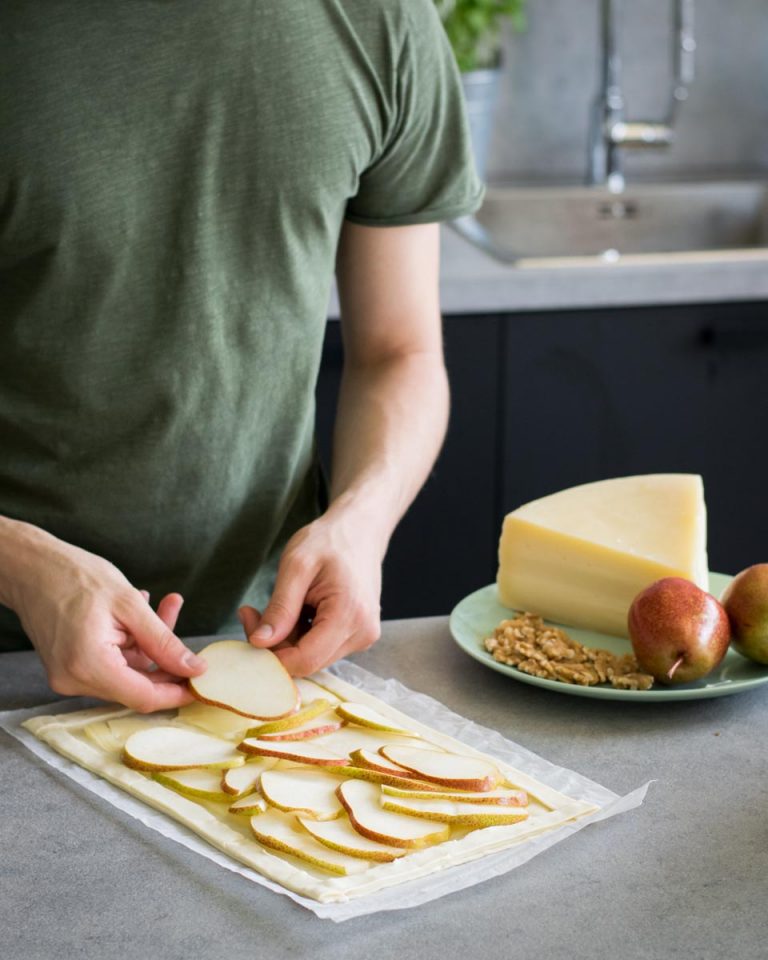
309 690
300 751
246 680
275 830
365 716
376 776
327 722
250 805
241 780
374 761
215 720
308 792
502 797
298 719
99 733
198 784
362 801
459 814
341 835
447 769
174 748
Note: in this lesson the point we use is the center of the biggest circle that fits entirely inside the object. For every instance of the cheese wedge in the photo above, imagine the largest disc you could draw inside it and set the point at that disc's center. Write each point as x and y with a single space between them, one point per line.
580 556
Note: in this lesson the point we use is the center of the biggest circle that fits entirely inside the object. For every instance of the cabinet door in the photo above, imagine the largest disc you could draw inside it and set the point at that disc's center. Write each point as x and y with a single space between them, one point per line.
596 394
445 546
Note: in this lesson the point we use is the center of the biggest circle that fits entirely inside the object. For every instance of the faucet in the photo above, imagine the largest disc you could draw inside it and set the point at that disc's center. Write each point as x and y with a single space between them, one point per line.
610 131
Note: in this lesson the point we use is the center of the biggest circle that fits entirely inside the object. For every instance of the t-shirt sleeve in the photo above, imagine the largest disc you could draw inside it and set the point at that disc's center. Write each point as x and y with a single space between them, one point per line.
425 171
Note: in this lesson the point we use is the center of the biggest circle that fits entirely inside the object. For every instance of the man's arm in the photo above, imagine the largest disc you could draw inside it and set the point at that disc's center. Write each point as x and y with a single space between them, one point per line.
390 424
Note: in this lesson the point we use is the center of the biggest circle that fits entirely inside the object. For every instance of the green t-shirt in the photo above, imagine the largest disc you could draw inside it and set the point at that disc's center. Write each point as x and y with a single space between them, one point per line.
174 175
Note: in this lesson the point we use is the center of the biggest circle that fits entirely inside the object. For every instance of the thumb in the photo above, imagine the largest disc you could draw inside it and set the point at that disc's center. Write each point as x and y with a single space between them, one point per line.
284 608
156 639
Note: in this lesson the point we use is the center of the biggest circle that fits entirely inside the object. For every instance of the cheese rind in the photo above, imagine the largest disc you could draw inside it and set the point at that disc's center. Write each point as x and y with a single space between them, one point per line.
580 556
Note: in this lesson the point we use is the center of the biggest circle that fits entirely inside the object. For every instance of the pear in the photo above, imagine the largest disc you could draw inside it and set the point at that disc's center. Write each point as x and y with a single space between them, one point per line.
278 832
365 716
374 761
241 780
447 769
460 814
215 720
291 722
746 602
362 801
174 748
308 792
300 751
679 632
376 776
310 690
197 784
328 722
340 835
250 805
500 797
246 680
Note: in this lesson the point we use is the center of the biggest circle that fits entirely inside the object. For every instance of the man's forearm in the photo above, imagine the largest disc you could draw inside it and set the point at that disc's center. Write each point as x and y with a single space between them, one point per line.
390 425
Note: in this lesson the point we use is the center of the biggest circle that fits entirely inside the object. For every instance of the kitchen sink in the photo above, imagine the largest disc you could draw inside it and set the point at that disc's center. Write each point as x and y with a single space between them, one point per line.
517 222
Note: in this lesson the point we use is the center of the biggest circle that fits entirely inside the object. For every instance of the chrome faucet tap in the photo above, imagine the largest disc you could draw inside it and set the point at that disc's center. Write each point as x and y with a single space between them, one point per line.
610 131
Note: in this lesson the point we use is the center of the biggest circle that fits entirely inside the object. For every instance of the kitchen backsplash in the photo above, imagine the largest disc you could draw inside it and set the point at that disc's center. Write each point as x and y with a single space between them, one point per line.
552 74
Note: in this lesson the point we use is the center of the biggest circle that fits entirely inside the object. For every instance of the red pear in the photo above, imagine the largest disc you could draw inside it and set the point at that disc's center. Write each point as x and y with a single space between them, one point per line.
679 632
746 603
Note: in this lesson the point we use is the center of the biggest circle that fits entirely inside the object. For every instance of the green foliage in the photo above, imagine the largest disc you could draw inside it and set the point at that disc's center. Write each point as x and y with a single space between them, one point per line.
474 28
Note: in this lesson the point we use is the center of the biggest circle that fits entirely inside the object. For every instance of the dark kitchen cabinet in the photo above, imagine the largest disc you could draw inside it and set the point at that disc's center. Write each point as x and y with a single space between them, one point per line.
546 400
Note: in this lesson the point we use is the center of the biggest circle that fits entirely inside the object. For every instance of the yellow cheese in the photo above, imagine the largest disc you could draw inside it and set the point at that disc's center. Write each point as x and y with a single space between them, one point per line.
580 556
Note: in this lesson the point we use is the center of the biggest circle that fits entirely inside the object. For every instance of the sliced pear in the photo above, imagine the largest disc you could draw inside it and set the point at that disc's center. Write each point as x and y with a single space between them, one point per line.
222 723
502 797
198 784
447 769
374 761
99 733
246 680
174 748
310 690
365 716
362 801
250 806
276 831
341 835
122 727
376 776
298 719
308 792
327 722
241 780
460 814
300 751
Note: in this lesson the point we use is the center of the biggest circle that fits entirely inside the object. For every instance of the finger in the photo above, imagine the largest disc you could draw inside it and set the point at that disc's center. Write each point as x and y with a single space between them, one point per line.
169 609
145 594
320 646
249 617
143 693
136 660
158 641
284 608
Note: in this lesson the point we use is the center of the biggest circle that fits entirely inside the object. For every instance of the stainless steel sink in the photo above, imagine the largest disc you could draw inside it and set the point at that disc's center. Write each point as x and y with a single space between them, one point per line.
584 221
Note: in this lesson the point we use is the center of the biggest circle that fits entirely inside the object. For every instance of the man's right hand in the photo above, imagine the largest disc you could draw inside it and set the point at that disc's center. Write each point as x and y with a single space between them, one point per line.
95 633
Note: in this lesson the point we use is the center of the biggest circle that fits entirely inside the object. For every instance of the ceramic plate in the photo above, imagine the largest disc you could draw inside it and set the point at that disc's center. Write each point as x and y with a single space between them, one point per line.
474 618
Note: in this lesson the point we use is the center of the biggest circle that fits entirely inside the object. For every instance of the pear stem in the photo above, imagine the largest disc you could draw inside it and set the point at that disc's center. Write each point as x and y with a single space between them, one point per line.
675 665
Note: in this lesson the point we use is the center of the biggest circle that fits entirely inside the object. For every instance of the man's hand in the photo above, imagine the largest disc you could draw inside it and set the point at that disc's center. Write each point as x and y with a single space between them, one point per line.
95 633
332 566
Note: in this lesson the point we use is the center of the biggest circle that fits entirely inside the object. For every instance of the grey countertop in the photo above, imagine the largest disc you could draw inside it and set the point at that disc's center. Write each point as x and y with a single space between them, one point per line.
473 282
682 876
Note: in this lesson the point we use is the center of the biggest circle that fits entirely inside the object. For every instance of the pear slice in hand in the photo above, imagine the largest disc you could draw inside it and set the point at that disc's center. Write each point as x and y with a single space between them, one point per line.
298 719
241 780
362 801
246 680
197 784
365 716
460 814
311 793
341 835
447 769
327 722
502 797
300 751
174 748
275 830
250 805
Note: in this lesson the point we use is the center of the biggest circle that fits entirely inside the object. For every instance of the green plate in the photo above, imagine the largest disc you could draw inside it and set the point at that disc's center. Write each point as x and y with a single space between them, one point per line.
474 617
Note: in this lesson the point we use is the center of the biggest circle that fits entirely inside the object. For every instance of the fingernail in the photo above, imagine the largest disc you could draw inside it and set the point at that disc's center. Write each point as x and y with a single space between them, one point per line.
191 661
263 632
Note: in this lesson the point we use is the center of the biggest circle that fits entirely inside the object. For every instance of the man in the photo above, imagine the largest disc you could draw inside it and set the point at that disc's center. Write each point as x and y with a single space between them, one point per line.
178 181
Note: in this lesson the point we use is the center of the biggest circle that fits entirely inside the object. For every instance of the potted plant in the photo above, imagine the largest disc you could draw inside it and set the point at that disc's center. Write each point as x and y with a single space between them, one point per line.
474 29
